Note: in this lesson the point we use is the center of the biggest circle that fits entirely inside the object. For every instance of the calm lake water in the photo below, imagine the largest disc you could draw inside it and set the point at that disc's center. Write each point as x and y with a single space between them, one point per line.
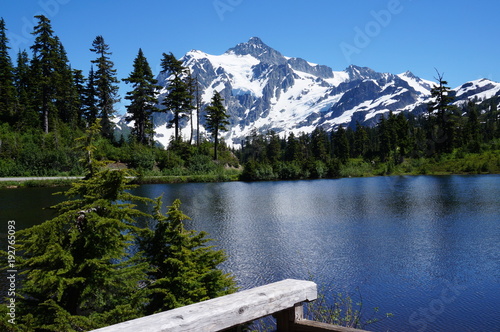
425 248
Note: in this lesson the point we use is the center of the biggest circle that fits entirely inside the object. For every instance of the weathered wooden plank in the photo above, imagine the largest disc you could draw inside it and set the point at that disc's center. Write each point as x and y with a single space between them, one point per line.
226 311
312 326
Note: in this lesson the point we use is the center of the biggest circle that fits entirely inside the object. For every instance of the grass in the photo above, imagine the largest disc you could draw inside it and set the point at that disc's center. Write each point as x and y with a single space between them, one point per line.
33 183
220 176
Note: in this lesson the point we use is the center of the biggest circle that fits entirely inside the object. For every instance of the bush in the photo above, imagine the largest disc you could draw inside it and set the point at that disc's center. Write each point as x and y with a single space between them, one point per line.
141 158
9 167
201 164
169 160
255 171
288 170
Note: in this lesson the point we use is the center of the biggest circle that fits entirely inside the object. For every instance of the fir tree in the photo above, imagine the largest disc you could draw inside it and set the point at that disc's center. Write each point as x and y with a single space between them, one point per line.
292 150
142 99
80 88
404 139
319 144
341 145
442 126
7 88
473 128
179 100
26 115
90 109
361 141
198 109
216 119
105 85
273 147
67 103
43 67
184 267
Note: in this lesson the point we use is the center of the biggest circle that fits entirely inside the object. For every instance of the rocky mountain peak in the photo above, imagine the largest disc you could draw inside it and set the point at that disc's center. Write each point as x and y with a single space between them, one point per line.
264 90
259 50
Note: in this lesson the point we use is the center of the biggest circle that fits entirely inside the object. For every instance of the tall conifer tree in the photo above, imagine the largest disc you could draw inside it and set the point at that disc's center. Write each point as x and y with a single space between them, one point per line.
44 65
143 99
441 110
79 83
341 145
105 85
90 109
216 119
179 99
26 115
67 103
7 89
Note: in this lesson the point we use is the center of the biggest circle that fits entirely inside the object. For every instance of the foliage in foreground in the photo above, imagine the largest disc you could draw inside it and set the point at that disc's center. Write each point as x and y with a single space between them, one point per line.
97 263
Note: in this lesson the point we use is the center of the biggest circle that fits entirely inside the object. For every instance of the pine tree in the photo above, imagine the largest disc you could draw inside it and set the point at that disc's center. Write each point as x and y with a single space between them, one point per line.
273 147
292 150
193 91
43 67
67 103
184 267
341 145
179 100
90 109
442 126
319 144
198 110
80 88
216 119
143 99
105 85
404 139
7 88
26 115
473 128
361 141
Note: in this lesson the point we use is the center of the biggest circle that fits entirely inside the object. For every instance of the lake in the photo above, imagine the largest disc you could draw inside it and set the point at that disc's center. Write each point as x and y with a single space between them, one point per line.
424 248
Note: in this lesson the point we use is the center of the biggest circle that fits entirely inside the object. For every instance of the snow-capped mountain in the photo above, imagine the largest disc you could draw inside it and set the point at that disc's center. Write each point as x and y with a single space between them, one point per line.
264 90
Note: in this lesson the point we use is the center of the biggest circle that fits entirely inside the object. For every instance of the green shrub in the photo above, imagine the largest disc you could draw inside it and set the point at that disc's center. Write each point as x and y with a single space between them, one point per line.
201 164
288 170
255 171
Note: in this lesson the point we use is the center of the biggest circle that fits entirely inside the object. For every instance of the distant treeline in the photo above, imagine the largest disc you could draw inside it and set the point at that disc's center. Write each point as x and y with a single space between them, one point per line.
397 140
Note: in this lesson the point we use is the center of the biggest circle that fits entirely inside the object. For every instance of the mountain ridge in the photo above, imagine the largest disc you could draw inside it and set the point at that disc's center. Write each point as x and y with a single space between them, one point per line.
265 90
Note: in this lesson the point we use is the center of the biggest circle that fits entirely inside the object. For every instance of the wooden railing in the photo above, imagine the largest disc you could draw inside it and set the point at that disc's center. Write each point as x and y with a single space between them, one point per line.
282 299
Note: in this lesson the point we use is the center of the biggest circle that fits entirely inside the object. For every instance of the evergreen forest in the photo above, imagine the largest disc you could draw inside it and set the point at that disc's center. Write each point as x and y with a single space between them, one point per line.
45 105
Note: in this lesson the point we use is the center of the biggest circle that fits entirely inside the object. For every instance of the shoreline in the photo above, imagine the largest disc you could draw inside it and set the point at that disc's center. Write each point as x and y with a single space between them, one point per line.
65 181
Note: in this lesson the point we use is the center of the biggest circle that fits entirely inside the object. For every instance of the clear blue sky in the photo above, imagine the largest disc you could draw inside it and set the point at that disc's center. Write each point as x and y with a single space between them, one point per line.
459 38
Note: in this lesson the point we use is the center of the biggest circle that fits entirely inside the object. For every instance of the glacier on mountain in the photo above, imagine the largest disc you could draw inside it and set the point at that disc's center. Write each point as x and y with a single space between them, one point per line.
264 90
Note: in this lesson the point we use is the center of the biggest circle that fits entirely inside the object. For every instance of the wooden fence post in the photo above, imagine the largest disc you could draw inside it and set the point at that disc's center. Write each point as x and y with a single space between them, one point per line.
285 320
